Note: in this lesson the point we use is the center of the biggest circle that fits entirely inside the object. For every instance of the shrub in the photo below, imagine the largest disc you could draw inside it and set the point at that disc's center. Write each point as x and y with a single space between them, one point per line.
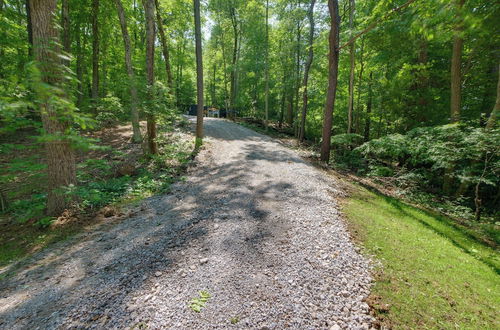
110 111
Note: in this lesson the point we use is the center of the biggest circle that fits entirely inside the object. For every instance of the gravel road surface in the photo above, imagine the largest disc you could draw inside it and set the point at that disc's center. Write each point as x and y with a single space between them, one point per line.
254 226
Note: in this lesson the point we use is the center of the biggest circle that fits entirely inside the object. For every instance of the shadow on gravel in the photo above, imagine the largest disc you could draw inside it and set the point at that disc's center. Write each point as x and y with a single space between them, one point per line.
86 278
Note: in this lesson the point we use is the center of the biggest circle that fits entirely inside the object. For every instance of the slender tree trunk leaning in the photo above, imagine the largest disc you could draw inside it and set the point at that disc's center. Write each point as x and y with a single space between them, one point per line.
266 122
61 170
333 68
351 75
369 108
95 52
79 64
164 48
134 113
456 63
307 67
149 8
199 75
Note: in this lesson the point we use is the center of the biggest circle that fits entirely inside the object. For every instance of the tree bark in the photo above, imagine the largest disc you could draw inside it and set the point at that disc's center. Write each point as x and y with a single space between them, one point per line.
61 170
307 67
456 63
492 120
95 51
333 68
165 50
352 62
149 8
134 113
29 28
234 22
79 65
199 75
369 108
297 80
226 94
66 41
456 86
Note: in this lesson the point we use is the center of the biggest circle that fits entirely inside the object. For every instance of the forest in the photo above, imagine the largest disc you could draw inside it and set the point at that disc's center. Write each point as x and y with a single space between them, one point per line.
400 96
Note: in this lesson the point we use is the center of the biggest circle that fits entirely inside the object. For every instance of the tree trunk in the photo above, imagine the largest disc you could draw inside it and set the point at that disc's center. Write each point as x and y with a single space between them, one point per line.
199 75
359 106
351 75
224 65
29 28
492 120
266 106
134 113
95 52
165 50
456 85
66 41
149 8
369 108
234 23
456 63
307 67
297 81
333 68
61 170
289 110
79 65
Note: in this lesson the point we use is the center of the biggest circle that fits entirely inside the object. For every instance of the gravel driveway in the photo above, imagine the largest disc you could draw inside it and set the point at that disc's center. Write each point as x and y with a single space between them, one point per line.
253 225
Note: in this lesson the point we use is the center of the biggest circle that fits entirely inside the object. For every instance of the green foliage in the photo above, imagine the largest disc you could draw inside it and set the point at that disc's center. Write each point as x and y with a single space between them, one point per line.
109 111
389 148
198 303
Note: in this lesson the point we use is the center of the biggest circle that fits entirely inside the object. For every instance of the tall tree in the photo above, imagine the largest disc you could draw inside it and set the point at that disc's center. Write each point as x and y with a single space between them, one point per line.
369 108
492 120
149 8
307 67
199 74
61 170
66 41
164 48
234 61
95 51
136 137
29 27
351 70
456 63
333 70
267 66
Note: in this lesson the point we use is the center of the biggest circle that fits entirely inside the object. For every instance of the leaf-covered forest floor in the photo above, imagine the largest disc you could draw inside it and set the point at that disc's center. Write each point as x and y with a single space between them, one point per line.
112 176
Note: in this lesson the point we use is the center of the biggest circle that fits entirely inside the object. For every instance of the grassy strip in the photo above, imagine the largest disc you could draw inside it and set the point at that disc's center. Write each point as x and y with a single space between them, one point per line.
432 274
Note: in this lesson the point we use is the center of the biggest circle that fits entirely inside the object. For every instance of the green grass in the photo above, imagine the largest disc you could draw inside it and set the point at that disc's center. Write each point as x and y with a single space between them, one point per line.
432 275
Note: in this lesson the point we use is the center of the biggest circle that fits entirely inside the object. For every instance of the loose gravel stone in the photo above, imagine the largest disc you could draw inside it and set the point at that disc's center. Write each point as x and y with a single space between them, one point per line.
254 226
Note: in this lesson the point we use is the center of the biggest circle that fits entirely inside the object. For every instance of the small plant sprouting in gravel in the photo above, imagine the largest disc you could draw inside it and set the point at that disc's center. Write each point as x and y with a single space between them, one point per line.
198 303
235 320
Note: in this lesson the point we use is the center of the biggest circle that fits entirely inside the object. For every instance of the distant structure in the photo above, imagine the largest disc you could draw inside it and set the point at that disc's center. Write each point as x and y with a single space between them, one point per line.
207 111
